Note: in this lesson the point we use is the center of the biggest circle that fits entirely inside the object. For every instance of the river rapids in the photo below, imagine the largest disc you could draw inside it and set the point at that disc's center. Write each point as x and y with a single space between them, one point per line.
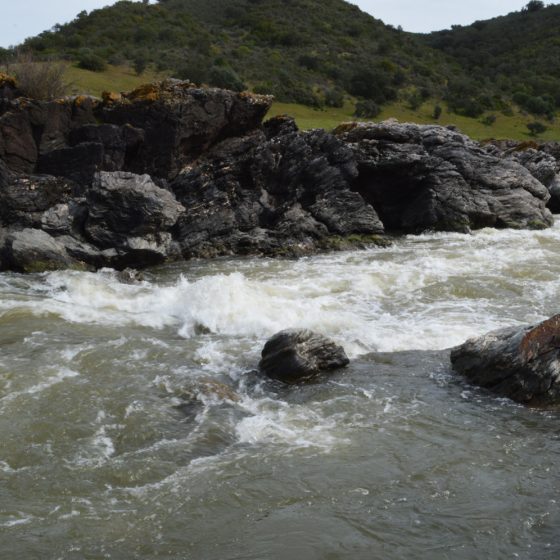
133 424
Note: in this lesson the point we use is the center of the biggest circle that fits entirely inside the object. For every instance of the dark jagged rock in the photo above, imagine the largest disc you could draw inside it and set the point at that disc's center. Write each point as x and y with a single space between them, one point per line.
24 199
181 121
291 189
130 213
294 356
78 163
522 364
422 177
120 143
221 182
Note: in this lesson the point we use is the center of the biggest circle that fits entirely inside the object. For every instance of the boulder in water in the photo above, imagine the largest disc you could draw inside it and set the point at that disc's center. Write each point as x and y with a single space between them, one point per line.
293 356
522 364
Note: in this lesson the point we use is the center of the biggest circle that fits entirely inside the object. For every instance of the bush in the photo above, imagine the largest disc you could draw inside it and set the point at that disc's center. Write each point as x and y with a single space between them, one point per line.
367 109
40 80
92 62
226 78
489 120
437 112
140 64
334 98
536 128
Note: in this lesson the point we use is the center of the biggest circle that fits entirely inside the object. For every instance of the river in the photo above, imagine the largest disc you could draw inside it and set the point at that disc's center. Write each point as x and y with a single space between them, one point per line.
133 424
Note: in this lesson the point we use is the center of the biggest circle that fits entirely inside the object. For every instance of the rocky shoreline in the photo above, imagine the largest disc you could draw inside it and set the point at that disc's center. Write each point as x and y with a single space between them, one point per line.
171 171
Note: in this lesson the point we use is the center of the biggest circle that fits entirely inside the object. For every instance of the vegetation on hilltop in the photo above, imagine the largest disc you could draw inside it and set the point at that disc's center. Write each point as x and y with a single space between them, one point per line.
326 53
514 57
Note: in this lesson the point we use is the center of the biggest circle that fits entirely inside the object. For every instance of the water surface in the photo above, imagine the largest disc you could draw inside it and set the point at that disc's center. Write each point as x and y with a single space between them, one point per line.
133 425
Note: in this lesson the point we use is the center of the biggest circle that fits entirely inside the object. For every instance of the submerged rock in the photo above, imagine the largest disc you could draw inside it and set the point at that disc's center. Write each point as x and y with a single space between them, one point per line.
522 364
293 356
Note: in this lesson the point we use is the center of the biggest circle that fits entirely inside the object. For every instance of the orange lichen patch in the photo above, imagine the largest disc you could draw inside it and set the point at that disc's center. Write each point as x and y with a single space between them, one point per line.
527 145
146 92
80 100
345 127
6 80
111 97
541 339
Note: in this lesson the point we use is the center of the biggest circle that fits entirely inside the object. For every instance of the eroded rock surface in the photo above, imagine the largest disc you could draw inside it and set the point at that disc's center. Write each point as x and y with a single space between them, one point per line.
522 364
294 356
420 177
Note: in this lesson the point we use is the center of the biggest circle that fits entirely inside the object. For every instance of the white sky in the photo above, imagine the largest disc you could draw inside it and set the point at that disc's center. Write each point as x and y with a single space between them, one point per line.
25 18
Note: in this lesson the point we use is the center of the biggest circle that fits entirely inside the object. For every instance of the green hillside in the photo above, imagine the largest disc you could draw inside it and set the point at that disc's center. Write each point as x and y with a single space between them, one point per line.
514 57
323 58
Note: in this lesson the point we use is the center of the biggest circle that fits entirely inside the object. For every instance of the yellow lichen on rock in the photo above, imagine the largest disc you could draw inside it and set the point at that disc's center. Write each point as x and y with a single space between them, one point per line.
7 80
146 92
111 97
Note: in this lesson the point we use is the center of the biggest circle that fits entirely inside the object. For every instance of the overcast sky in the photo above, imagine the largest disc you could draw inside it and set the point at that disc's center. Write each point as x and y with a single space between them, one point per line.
24 18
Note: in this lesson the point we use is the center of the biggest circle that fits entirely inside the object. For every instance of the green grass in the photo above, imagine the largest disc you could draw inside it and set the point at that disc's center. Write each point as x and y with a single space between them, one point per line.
514 127
122 78
114 78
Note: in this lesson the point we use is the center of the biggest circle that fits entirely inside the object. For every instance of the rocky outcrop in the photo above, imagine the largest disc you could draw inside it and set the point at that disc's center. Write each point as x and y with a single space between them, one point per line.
420 177
522 364
541 160
294 356
275 191
172 170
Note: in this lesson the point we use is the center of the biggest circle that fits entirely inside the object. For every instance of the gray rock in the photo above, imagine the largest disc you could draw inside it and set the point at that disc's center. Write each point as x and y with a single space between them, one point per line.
420 177
24 199
32 250
124 206
522 364
294 356
291 190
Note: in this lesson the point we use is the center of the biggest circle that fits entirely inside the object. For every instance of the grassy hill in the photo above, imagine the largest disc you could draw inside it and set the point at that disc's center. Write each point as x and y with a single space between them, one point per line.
321 58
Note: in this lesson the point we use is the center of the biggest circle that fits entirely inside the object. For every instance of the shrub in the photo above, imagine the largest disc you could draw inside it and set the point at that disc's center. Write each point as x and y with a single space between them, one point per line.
437 112
140 64
489 120
334 97
92 62
225 78
367 109
536 128
40 80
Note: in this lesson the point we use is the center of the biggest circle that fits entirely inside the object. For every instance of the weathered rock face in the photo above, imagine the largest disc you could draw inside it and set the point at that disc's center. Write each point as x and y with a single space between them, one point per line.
522 364
130 213
269 192
33 250
295 356
218 182
430 177
181 121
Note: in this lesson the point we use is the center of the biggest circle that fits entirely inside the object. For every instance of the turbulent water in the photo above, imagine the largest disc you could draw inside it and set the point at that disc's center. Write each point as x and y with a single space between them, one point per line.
133 424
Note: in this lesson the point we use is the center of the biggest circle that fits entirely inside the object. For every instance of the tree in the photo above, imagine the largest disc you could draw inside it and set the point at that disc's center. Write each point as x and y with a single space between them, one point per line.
536 128
140 64
534 6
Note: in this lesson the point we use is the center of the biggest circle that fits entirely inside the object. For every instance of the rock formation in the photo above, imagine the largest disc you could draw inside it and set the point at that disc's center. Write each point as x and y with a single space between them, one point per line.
173 171
294 356
522 364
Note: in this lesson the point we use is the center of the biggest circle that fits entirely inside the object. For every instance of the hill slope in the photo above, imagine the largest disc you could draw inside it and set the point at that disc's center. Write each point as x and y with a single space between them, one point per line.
328 53
305 51
514 57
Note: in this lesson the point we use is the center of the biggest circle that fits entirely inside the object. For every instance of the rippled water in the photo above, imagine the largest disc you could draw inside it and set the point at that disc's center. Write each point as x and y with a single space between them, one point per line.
133 424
